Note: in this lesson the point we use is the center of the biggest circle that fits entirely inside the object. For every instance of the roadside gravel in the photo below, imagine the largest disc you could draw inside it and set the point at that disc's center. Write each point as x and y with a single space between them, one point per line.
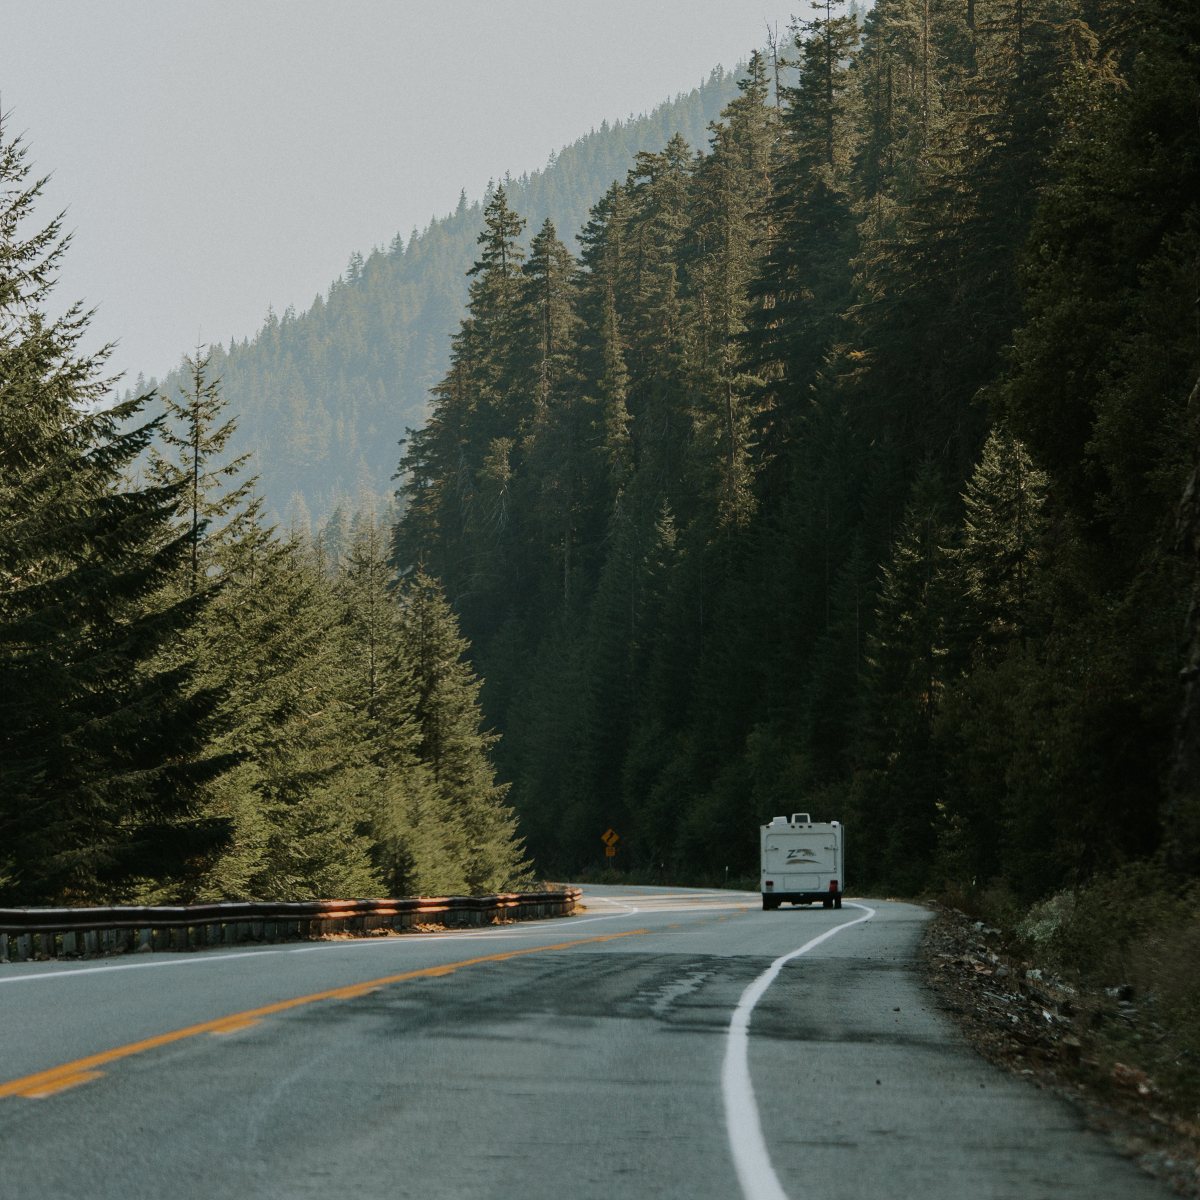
1051 1033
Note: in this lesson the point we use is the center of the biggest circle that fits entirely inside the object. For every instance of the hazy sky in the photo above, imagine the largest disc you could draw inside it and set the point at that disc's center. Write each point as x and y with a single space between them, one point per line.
217 157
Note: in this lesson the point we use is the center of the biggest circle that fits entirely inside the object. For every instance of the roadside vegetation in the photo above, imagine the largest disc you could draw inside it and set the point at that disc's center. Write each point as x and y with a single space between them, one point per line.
1093 997
1123 951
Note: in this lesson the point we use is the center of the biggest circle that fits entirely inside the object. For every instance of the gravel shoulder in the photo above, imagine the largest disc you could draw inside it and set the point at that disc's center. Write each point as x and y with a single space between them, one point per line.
1061 1038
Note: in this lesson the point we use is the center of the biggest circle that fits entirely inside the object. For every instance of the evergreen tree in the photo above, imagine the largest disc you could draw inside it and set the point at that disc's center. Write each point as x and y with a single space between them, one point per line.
544 359
731 190
302 803
98 777
195 431
1004 528
804 283
466 837
298 803
381 693
603 242
899 784
458 468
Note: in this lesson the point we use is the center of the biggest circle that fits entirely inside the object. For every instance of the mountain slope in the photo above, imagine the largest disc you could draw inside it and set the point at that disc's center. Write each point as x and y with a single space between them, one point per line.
324 396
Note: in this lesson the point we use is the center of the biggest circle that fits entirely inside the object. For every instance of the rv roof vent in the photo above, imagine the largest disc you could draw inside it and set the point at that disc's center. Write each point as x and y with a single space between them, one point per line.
779 820
801 819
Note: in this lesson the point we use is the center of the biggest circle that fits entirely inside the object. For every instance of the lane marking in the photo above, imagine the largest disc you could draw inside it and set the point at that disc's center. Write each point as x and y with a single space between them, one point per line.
38 1091
616 903
56 1079
187 960
751 1159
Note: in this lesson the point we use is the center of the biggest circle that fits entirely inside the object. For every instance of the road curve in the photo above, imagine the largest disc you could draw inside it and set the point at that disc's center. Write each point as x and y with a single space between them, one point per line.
635 1050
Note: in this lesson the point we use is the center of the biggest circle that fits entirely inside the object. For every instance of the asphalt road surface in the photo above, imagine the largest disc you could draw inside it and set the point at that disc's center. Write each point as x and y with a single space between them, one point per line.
677 1057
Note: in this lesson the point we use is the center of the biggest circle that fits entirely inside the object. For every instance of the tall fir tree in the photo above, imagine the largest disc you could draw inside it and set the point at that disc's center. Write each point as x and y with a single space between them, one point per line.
466 837
99 781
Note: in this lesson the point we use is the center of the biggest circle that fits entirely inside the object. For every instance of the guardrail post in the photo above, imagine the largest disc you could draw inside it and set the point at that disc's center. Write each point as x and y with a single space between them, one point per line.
24 946
4 945
49 944
91 942
257 929
146 939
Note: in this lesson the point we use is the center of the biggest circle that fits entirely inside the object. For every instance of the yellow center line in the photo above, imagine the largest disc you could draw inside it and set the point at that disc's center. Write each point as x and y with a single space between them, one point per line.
57 1079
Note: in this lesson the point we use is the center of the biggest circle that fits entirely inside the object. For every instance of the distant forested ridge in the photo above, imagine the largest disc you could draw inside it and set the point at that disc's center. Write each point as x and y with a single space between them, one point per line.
324 397
841 470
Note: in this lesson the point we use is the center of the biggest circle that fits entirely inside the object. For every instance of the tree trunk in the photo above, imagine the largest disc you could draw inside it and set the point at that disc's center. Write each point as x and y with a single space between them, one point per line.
1181 814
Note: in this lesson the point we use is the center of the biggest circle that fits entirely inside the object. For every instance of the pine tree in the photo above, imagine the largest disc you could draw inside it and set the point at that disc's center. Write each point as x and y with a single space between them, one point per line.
898 786
302 803
381 693
1004 529
299 802
803 286
603 352
458 467
495 293
195 431
545 360
465 822
732 187
98 737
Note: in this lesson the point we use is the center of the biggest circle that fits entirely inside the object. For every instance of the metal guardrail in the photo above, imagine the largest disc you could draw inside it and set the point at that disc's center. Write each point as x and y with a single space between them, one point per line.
75 932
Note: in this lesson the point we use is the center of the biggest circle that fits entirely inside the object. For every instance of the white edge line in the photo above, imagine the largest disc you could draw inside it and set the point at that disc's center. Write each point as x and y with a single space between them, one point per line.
349 944
751 1159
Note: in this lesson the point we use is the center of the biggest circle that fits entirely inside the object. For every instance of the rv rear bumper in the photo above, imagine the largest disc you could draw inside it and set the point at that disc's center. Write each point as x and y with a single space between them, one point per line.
802 897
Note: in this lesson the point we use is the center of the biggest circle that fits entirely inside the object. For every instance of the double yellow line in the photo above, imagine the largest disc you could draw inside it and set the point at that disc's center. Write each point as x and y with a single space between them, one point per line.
69 1075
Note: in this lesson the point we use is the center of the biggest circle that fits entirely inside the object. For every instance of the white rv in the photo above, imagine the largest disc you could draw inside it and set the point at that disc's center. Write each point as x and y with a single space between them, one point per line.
802 862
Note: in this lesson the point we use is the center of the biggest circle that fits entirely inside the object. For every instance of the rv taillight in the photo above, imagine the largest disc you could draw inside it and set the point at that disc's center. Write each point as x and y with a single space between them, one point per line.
833 885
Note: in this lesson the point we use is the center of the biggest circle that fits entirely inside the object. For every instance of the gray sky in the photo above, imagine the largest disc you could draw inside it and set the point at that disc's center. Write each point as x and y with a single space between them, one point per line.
217 157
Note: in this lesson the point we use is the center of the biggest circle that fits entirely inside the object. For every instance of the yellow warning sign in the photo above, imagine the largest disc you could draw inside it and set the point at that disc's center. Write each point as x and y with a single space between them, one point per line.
611 852
610 839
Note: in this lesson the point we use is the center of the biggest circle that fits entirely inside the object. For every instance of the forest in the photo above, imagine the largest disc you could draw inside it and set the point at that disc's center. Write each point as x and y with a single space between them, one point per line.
849 467
841 470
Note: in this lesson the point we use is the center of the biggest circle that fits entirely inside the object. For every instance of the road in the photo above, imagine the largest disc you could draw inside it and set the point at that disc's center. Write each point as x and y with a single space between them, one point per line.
665 1060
